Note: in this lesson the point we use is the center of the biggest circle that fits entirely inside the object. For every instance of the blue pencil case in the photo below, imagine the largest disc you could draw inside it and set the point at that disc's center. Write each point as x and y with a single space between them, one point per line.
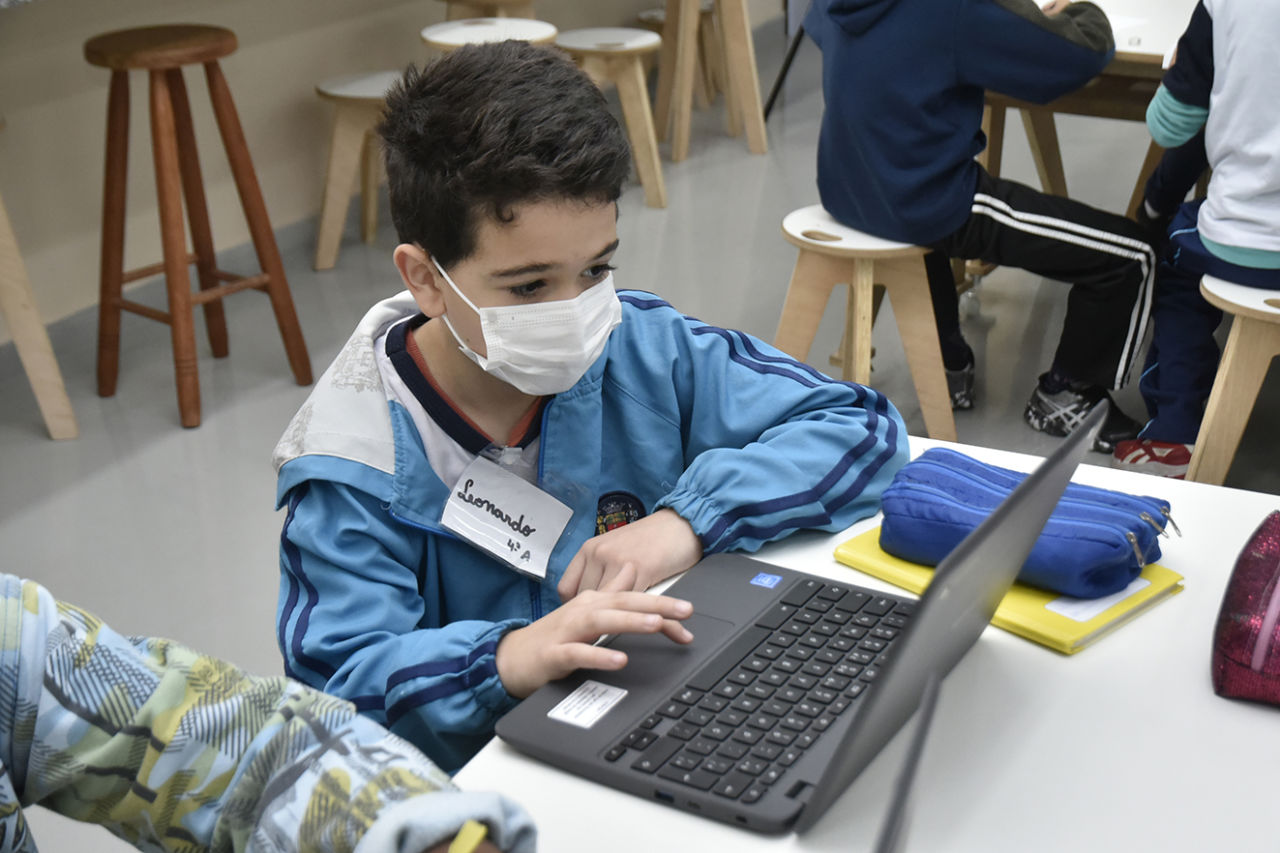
1095 543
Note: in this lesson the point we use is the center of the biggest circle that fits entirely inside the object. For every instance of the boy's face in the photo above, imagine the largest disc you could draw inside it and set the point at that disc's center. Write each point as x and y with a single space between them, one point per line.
550 251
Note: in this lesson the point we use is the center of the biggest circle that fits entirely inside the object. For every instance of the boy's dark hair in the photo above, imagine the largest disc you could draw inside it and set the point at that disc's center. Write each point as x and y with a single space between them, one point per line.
487 127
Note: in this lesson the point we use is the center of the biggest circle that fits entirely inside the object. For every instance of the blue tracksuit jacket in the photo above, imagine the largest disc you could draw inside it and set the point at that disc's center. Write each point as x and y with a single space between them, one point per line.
379 605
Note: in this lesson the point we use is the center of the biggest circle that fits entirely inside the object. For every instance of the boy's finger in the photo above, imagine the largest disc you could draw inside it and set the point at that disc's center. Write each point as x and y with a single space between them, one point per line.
570 580
623 581
676 631
584 656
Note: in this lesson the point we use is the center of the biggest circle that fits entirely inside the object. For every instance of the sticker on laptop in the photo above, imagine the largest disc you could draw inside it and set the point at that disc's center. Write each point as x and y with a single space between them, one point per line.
587 705
766 580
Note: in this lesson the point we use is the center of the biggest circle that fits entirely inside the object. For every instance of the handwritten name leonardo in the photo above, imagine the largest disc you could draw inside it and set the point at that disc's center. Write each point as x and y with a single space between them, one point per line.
516 524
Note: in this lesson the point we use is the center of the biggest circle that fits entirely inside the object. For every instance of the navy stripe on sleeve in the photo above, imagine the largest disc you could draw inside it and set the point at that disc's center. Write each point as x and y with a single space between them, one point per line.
319 667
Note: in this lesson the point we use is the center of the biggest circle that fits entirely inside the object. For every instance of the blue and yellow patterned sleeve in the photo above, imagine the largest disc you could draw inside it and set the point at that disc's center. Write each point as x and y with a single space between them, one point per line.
174 750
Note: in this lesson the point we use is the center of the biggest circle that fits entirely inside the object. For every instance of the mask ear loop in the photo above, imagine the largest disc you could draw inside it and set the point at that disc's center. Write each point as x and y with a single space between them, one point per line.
479 359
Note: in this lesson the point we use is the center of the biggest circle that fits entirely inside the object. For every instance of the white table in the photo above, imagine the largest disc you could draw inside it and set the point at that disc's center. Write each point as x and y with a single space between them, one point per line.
1123 746
1146 32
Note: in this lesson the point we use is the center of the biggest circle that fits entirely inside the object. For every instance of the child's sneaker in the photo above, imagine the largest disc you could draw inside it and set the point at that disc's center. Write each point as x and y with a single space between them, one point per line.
1147 456
1061 412
960 386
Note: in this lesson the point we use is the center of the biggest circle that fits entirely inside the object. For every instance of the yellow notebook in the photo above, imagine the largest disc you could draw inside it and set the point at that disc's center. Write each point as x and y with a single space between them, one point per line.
1060 622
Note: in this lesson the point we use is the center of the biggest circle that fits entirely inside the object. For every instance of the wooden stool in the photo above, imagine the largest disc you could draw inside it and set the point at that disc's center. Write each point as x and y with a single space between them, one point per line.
459 9
452 35
162 51
709 76
358 101
674 109
830 254
613 55
18 308
1254 341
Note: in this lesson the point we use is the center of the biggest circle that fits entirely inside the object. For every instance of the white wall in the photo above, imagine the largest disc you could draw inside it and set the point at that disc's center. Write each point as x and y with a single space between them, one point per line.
54 106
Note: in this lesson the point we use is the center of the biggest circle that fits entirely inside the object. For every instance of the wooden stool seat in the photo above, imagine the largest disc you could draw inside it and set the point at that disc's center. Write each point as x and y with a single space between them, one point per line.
452 35
831 254
489 9
162 51
160 47
1254 341
358 100
614 55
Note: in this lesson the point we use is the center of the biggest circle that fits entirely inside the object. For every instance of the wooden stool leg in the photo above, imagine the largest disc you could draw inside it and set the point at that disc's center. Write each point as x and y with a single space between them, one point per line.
215 317
1149 162
350 126
111 263
521 10
18 307
908 289
993 126
1250 347
1042 134
458 10
629 78
740 59
370 177
666 74
713 48
859 310
164 144
255 211
812 280
686 38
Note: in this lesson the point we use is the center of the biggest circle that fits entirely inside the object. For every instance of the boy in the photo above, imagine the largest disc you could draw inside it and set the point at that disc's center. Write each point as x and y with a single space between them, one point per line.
174 750
904 83
1224 82
509 434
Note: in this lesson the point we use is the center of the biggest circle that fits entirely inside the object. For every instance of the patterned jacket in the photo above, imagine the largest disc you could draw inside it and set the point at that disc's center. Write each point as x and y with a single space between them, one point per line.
177 751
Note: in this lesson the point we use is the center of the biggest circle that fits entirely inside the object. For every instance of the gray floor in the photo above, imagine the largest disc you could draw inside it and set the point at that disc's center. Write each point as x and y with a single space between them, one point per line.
162 530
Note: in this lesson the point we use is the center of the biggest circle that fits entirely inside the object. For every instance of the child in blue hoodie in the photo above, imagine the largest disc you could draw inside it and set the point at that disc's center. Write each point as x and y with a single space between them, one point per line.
904 82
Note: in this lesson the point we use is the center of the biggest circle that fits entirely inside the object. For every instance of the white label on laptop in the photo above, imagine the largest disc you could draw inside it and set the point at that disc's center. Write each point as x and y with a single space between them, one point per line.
1084 609
587 705
509 518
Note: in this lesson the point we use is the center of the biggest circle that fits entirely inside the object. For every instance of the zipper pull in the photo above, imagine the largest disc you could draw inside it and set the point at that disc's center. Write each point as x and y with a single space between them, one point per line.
1164 510
1146 516
1137 552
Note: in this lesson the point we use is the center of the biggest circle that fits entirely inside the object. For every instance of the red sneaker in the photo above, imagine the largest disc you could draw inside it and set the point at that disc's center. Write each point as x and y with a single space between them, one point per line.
1147 456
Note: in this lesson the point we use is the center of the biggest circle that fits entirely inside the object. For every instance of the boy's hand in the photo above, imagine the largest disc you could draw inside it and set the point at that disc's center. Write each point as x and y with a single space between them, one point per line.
561 641
657 547
1053 7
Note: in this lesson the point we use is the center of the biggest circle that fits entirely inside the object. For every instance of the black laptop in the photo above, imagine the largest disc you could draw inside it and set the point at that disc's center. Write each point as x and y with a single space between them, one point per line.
792 684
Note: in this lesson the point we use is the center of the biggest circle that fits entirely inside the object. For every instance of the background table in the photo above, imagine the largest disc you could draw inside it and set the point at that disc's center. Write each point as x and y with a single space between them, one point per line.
1123 746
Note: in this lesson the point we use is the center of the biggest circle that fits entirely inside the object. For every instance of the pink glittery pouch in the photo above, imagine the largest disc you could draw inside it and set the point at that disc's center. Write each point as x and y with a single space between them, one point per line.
1246 643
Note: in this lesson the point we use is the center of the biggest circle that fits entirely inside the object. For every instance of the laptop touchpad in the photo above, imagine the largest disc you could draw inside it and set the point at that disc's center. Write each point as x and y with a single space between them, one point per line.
654 658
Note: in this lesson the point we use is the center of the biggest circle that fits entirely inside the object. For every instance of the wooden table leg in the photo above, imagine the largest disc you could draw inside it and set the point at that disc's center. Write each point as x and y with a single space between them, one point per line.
1042 136
740 60
1154 153
628 76
17 306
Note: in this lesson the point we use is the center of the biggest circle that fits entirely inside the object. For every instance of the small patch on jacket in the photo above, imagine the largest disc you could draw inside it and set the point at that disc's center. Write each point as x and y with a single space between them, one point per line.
616 509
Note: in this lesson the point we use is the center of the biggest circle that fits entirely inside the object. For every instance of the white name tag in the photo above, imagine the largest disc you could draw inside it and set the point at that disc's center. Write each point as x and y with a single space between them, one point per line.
509 518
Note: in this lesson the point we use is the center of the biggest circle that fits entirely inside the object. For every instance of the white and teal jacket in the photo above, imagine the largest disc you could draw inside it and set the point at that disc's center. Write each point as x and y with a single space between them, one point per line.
382 606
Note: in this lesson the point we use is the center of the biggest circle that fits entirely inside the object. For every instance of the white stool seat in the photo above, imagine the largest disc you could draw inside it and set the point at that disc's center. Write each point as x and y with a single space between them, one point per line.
454 34
814 228
611 39
368 86
1257 302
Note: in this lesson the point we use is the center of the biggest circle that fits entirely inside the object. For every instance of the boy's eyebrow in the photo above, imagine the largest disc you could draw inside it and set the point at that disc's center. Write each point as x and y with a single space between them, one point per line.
528 269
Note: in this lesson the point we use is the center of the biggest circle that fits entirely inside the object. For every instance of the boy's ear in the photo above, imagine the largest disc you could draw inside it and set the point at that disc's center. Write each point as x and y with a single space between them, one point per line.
421 277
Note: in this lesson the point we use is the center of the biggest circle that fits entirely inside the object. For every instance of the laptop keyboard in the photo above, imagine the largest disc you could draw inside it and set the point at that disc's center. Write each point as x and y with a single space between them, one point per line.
752 711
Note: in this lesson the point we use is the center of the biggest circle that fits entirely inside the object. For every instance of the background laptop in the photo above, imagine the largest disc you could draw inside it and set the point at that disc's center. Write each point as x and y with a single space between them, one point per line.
792 685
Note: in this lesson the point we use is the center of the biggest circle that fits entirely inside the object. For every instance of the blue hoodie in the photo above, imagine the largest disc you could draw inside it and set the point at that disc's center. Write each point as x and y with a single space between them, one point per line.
904 83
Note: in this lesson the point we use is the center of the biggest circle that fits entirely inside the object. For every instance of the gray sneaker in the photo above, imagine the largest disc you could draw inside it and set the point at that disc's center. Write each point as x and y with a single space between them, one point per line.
1061 413
960 385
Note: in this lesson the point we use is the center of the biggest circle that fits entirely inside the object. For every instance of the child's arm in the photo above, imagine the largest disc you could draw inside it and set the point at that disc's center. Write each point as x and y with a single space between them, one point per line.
177 750
1181 104
1015 48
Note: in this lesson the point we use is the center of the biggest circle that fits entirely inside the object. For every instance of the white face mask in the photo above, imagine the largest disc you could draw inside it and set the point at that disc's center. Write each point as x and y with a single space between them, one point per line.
546 347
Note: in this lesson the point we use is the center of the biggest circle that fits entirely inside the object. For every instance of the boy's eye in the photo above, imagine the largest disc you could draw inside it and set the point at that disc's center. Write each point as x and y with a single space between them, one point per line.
599 271
524 291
